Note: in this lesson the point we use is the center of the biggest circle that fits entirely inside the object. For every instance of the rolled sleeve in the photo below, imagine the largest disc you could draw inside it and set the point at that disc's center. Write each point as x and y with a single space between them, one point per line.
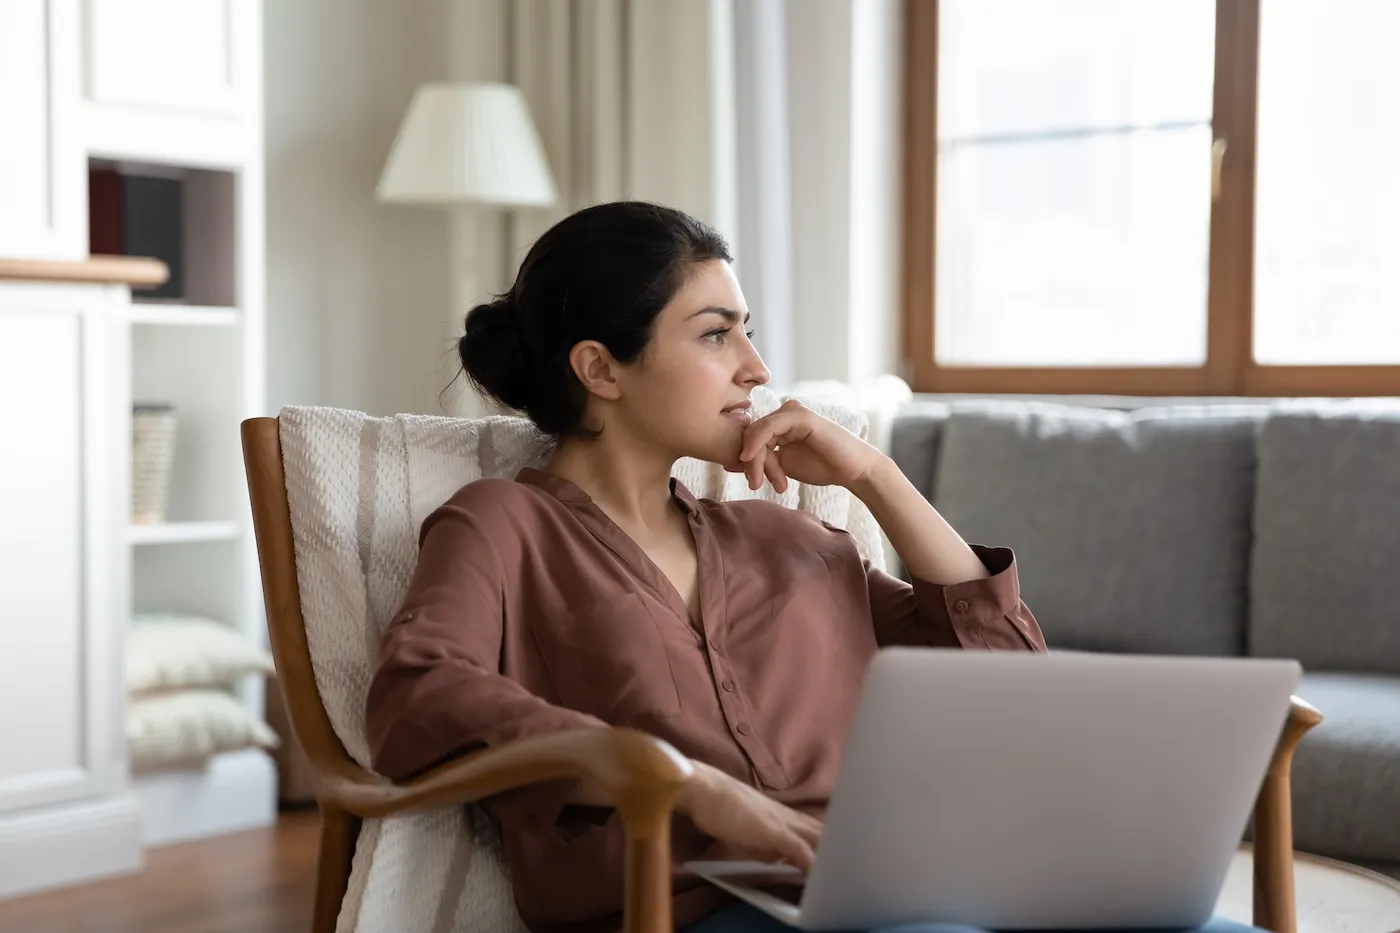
437 690
986 614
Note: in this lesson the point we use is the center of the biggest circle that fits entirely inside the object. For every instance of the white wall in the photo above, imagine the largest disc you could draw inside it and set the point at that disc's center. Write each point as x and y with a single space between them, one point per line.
357 292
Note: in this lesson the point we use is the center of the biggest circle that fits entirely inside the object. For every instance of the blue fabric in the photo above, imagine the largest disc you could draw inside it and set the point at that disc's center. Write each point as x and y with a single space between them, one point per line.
743 918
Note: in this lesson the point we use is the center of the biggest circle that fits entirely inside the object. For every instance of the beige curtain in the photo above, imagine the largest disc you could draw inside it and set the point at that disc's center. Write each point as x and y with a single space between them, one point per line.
633 99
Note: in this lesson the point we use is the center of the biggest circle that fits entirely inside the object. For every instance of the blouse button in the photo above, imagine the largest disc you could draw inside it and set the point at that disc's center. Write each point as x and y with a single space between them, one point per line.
960 606
728 685
743 728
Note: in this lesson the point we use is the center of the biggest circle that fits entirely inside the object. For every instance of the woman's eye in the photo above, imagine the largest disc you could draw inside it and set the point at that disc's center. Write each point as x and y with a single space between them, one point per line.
719 334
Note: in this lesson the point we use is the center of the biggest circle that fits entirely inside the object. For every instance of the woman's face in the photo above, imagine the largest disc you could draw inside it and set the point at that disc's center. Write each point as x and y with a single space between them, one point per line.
688 393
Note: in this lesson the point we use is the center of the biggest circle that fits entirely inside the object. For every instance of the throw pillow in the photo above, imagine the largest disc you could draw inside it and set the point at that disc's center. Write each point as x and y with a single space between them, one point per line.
166 651
188 726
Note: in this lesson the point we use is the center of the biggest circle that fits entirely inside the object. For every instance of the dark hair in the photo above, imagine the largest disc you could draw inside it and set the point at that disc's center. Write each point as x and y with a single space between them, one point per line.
604 274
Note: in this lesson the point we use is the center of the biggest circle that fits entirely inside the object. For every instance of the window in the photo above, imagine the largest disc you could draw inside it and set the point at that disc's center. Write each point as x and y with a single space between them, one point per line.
1152 197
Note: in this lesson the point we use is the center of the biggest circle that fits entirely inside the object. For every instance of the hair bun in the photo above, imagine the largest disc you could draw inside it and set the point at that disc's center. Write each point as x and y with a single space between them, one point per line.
493 353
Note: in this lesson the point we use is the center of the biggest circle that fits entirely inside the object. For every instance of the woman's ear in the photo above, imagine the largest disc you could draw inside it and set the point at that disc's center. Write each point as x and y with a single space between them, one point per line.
596 369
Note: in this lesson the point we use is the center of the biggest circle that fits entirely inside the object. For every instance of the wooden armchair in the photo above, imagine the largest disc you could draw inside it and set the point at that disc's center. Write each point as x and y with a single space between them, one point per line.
642 773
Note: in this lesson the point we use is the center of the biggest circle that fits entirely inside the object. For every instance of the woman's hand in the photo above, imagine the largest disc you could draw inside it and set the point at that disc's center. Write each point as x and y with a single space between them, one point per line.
747 820
796 442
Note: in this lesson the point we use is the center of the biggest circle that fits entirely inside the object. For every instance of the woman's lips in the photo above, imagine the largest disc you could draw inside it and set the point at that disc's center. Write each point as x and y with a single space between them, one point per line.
742 412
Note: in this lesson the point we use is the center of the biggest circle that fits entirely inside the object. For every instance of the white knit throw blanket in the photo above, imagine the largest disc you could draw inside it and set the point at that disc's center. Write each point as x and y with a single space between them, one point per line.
359 488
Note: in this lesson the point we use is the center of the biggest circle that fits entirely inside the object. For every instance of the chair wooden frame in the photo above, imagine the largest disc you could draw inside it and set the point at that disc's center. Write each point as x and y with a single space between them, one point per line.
641 773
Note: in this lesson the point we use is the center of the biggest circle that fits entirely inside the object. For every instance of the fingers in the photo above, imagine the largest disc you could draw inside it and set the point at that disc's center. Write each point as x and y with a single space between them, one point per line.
810 827
807 828
764 436
802 833
765 464
753 469
756 459
773 469
772 430
798 852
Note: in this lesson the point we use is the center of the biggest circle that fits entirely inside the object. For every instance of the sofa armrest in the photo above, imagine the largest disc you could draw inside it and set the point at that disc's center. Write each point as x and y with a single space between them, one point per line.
1275 906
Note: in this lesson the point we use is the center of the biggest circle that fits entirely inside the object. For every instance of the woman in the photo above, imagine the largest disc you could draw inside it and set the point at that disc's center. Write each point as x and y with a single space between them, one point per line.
597 592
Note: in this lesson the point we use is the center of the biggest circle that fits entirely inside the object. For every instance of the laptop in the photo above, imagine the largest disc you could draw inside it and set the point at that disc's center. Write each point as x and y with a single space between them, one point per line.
1017 791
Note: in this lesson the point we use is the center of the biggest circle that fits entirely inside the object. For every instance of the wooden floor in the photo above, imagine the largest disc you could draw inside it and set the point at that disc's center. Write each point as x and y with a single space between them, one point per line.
253 882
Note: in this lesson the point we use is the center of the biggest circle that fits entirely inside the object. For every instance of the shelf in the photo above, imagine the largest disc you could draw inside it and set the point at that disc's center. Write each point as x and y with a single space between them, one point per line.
203 266
183 315
232 791
183 532
127 270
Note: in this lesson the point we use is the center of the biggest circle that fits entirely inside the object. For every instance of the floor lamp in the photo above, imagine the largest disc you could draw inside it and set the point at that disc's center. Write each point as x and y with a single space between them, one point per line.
473 146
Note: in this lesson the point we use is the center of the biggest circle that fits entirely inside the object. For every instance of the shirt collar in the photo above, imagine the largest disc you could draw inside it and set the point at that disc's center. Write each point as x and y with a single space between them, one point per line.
569 493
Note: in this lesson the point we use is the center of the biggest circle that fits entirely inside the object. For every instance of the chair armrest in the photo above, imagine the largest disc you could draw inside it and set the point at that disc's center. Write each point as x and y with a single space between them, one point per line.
1275 906
624 763
1302 716
641 774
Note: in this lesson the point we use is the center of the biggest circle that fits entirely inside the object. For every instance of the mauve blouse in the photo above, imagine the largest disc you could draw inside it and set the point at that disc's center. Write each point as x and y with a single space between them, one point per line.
531 611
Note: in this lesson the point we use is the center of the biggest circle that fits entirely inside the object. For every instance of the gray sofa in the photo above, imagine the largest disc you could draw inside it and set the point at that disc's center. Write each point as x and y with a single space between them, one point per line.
1209 527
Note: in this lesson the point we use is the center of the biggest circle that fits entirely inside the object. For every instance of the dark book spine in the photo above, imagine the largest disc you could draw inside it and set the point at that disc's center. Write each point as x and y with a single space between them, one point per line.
105 224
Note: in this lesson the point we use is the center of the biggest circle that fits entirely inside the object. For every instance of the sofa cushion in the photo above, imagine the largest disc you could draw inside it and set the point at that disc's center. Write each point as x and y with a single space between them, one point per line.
1327 532
914 439
1131 529
1346 771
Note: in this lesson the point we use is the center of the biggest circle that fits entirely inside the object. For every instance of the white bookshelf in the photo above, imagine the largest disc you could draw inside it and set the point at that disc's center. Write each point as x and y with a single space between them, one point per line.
184 532
164 88
157 314
202 354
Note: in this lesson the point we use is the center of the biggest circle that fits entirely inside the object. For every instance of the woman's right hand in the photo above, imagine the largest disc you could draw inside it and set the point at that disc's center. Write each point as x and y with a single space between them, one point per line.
748 820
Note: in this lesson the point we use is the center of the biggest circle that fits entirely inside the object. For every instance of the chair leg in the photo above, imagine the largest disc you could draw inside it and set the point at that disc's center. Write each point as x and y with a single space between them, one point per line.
339 832
1275 906
1274 901
646 819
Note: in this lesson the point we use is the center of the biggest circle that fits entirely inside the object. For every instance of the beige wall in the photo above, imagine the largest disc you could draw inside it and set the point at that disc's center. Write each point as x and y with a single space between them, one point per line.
357 291
363 298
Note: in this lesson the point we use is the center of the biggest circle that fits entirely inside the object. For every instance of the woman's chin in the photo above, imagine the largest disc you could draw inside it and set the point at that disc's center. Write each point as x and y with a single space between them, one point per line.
720 449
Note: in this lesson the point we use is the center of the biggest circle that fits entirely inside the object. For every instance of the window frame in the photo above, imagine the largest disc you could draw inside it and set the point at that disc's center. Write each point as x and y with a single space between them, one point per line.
1229 368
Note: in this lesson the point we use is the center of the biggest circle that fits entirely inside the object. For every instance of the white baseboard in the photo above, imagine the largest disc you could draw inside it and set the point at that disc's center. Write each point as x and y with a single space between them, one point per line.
232 792
60 845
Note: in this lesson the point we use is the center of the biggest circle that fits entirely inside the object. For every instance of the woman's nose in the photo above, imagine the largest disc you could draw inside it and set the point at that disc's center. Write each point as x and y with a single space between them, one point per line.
754 372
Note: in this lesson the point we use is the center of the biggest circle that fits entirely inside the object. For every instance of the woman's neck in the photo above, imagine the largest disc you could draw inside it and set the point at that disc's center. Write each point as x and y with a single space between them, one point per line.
634 489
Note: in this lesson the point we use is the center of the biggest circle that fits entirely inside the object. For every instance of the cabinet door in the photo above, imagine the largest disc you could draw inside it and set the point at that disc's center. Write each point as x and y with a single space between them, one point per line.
183 56
60 699
43 179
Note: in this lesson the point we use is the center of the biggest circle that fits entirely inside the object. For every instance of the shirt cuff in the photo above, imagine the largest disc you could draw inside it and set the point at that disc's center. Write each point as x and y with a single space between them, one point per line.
981 613
544 809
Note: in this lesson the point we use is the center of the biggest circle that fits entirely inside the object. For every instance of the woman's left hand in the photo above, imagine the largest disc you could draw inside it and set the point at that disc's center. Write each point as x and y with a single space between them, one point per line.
796 442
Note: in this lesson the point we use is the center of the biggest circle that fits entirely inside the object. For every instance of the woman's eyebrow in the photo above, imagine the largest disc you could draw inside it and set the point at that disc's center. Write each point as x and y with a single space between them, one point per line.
729 314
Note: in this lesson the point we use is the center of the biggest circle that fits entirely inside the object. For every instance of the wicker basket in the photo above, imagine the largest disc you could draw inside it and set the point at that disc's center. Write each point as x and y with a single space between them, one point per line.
152 456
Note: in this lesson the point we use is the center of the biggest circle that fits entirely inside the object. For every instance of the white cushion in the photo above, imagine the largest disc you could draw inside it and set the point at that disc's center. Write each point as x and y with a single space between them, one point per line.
187 726
358 488
165 651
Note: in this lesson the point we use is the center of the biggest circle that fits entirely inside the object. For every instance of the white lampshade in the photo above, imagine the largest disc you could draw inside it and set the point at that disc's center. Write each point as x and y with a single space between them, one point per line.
468 142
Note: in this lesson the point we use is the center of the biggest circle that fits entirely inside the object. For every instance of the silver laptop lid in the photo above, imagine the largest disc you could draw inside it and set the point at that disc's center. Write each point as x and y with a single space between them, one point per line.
1022 791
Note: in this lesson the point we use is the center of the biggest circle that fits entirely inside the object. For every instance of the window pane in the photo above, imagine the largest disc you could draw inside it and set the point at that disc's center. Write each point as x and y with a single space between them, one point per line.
1009 67
1327 216
1074 252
